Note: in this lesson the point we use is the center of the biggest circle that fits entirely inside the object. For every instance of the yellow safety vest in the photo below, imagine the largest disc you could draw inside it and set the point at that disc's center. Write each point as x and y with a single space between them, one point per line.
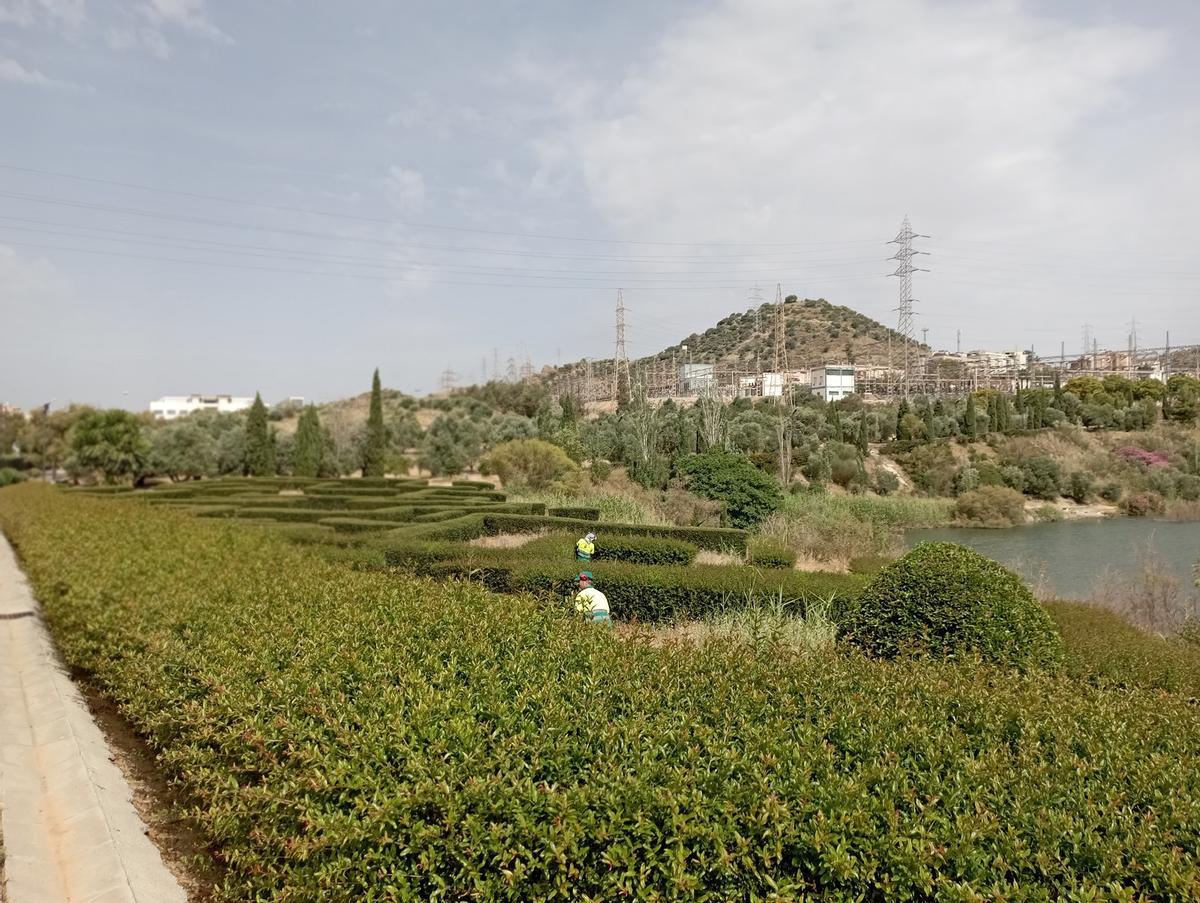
584 550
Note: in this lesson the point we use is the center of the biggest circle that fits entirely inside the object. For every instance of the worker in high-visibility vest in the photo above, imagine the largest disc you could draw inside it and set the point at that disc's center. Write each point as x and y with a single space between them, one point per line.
585 548
589 601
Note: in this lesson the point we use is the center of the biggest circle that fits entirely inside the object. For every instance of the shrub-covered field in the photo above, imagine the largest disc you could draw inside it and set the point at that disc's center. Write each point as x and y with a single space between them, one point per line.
357 735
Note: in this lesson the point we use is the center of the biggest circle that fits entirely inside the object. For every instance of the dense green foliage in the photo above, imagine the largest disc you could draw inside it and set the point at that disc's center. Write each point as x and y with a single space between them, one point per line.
749 495
529 464
110 442
306 459
990 506
258 455
355 736
375 448
945 600
1103 648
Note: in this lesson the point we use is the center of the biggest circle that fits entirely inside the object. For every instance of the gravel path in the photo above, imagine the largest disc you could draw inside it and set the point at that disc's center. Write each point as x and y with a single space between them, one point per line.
71 834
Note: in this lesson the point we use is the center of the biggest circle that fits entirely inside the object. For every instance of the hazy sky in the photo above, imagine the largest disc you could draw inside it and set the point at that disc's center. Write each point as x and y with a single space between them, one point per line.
219 196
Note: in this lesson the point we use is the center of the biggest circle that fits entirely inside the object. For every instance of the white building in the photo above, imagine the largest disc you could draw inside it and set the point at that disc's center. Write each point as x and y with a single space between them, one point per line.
171 406
831 381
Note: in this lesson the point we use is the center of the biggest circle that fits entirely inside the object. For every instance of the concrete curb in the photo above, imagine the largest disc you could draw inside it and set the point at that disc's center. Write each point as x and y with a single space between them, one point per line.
69 827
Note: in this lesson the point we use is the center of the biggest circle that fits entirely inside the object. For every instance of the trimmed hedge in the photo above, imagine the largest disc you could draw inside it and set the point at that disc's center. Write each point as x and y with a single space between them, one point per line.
946 600
634 549
355 524
360 736
767 554
579 513
715 538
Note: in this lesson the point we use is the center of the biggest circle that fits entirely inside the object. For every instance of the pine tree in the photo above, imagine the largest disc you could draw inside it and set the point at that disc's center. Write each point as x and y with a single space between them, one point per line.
307 462
862 433
376 447
970 425
272 452
258 441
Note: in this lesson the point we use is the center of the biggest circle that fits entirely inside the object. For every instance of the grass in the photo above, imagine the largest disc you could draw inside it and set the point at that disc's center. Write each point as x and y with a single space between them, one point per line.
615 508
837 528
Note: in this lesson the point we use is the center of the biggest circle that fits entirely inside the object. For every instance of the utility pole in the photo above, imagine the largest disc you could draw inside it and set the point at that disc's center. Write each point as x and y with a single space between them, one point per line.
958 342
1132 345
1087 344
1167 361
905 270
495 364
925 336
779 360
620 361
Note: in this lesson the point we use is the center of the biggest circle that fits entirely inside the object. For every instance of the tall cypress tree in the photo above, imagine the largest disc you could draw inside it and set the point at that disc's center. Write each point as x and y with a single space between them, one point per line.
970 418
993 415
901 429
862 433
930 432
376 447
307 460
1058 391
258 441
836 423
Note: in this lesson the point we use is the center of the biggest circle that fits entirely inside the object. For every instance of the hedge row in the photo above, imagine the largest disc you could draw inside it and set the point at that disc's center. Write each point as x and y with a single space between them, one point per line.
578 513
359 736
633 549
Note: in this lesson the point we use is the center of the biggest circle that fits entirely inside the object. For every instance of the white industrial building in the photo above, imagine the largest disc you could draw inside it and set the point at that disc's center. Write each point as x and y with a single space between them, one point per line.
831 381
171 406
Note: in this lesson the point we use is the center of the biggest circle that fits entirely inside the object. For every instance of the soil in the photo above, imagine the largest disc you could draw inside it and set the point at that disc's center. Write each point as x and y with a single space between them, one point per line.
184 848
504 540
1074 511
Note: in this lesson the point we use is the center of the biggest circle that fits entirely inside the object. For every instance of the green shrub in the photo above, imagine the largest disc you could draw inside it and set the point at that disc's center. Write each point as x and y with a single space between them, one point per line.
749 494
356 524
600 471
1143 504
1042 477
528 464
1079 486
766 553
870 565
886 482
931 466
990 506
576 512
645 550
1187 487
8 476
945 600
1103 648
348 735
1111 492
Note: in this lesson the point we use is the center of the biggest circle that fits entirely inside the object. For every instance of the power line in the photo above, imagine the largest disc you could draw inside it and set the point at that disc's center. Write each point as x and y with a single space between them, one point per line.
285 208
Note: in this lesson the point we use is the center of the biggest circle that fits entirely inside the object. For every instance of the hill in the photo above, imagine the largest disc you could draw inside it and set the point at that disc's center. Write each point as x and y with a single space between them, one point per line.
815 332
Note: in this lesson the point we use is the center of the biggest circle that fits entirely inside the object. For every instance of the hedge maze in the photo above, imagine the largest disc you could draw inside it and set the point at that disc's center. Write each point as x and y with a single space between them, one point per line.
649 573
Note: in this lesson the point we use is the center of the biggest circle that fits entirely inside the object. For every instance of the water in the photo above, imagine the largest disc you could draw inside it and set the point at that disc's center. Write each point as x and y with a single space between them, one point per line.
1070 558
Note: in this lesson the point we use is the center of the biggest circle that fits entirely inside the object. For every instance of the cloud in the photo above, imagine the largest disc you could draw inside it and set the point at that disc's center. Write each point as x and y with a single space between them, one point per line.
14 71
26 13
770 120
186 14
405 189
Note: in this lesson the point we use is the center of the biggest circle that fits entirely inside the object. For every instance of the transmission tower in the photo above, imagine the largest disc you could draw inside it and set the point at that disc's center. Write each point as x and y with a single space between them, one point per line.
905 270
449 380
1087 342
527 368
755 297
620 360
780 359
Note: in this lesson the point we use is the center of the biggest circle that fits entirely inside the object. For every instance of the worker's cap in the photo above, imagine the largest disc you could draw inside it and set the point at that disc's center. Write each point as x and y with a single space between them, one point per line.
590 537
585 575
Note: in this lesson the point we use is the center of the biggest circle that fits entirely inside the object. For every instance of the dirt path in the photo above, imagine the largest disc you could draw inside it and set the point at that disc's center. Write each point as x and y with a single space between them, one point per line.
71 833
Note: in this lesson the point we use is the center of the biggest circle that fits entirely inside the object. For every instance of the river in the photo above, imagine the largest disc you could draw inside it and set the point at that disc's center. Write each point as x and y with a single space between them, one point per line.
1071 558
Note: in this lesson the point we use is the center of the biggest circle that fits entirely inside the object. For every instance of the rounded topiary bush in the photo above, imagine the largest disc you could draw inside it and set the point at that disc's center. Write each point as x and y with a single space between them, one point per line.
945 600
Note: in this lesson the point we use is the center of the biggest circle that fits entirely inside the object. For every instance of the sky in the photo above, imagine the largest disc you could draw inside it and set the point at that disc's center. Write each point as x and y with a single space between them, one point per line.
225 197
